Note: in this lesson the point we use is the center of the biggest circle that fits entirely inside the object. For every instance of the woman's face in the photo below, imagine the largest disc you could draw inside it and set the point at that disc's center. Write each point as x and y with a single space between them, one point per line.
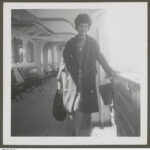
82 29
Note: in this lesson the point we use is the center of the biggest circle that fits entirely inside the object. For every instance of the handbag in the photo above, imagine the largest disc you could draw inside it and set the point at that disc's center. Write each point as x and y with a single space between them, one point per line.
59 111
107 93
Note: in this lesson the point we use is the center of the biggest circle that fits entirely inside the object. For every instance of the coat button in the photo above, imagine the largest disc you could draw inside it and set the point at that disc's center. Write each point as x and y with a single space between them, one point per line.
71 56
91 91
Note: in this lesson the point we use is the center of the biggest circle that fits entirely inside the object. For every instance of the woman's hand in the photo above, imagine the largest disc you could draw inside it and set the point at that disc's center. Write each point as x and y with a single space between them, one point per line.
112 74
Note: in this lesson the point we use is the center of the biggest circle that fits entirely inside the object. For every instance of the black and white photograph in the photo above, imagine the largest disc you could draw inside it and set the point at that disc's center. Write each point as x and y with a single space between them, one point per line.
75 73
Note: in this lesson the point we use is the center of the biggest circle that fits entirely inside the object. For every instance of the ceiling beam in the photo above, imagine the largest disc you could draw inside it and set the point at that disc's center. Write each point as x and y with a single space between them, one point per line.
56 19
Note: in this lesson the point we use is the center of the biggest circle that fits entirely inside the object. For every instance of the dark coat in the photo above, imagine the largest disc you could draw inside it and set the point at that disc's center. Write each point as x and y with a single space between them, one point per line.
92 54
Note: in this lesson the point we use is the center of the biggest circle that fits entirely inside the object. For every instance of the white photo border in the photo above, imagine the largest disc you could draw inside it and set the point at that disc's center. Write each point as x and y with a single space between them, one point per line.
7 138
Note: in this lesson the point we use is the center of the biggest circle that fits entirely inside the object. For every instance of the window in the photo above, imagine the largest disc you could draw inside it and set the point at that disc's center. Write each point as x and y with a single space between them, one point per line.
17 56
30 52
50 60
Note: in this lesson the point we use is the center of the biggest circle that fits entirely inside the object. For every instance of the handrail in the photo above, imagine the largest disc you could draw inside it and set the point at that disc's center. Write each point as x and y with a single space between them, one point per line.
129 77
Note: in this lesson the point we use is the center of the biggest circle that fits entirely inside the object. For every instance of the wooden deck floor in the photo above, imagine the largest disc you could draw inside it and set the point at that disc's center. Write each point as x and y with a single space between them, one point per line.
32 114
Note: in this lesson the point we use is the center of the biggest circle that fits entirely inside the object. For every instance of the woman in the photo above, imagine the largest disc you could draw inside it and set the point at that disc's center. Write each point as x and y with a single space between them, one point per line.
80 56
